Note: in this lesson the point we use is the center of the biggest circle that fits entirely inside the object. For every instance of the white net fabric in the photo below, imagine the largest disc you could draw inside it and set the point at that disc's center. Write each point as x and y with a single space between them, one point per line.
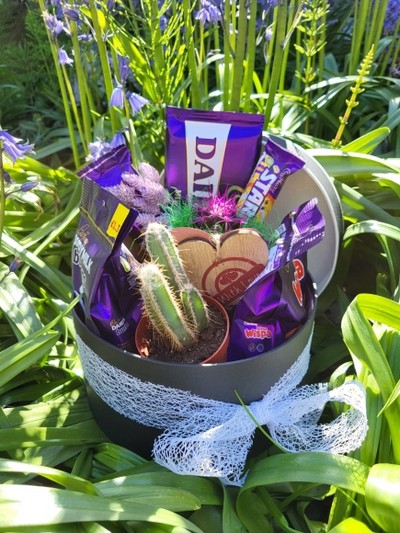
212 438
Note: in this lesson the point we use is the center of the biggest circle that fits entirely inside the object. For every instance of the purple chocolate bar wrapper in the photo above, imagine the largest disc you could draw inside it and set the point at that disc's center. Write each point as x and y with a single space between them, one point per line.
209 151
107 170
300 230
110 306
271 310
273 167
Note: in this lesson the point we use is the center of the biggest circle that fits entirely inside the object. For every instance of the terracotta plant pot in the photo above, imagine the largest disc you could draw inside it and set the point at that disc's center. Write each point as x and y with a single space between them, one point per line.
219 356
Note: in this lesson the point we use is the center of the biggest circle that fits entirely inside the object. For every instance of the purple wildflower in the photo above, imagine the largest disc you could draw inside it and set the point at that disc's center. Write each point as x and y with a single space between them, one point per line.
54 25
71 14
136 101
117 97
392 17
118 139
63 57
14 147
123 67
208 13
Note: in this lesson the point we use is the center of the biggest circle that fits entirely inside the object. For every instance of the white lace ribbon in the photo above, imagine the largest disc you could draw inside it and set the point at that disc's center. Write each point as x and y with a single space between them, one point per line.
212 438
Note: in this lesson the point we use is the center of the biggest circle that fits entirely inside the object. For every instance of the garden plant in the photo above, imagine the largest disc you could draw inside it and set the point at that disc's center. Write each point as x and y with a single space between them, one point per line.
78 77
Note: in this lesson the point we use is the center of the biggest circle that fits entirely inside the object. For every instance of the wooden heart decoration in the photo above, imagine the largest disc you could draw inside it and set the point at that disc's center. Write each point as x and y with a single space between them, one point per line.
223 265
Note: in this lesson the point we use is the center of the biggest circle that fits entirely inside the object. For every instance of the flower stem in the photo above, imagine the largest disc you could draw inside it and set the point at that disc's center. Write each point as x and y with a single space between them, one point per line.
2 193
352 101
281 11
239 56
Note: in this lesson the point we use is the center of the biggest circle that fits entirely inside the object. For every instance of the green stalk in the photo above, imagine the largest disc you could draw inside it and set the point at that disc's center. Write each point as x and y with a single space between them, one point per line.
373 35
191 54
239 56
352 101
361 10
227 55
392 52
64 96
281 11
74 107
251 56
105 65
82 86
2 192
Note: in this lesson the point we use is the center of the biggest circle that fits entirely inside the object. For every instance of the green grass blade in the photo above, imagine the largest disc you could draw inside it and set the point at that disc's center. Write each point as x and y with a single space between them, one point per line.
65 479
382 496
22 505
17 305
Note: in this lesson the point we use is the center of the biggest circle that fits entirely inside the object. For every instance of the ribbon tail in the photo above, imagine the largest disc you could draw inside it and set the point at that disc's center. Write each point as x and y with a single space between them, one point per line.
295 425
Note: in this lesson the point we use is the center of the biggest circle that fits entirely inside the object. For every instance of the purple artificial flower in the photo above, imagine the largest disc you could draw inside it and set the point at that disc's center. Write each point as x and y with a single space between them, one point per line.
63 57
117 97
208 13
136 101
13 146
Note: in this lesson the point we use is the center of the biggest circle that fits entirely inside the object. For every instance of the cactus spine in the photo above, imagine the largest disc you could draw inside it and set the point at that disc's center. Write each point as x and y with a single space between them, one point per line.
175 308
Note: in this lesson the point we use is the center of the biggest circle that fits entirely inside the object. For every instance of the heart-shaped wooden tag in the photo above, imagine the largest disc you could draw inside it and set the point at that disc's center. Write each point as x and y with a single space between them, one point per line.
222 265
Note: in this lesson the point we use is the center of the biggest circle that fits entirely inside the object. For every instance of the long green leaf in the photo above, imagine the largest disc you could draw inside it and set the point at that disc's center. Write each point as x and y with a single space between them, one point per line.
338 163
22 505
307 467
17 305
382 496
65 479
367 143
351 525
363 344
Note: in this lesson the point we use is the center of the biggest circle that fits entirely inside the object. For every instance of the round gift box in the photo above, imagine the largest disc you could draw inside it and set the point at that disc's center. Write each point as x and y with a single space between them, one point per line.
249 378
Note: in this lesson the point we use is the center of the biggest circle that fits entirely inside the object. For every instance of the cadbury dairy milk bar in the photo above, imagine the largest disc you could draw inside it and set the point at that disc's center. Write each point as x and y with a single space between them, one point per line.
209 151
102 269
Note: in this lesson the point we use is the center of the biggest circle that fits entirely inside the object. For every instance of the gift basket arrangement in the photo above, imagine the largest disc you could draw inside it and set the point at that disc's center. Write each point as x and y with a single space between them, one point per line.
199 290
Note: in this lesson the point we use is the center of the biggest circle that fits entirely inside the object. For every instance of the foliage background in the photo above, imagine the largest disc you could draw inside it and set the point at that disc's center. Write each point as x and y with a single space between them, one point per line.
58 470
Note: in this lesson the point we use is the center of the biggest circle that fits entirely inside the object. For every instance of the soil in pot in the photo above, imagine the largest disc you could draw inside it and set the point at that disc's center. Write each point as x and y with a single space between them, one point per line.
209 342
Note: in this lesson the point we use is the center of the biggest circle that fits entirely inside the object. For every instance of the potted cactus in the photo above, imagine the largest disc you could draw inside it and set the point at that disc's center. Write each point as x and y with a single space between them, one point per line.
179 323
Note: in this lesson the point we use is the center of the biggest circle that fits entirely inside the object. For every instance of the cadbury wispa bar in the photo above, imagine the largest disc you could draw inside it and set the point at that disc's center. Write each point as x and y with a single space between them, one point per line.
281 298
209 151
273 167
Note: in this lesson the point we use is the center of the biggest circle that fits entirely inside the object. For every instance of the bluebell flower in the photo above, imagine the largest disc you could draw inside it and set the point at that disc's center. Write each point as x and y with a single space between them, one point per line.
208 13
72 14
136 101
392 17
117 97
54 25
13 146
123 68
63 57
118 139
